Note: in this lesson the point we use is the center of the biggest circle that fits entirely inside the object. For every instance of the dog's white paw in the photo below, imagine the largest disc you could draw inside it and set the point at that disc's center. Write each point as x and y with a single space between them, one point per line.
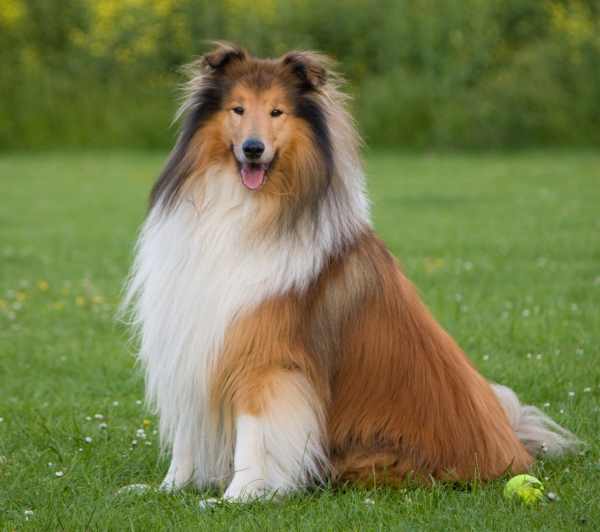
237 493
169 485
241 491
176 478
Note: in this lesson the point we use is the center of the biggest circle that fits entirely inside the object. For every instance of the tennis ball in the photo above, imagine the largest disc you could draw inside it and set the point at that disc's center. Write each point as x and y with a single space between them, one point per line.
524 488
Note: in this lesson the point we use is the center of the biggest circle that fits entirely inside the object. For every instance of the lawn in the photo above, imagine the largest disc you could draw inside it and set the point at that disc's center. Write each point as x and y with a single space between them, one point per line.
505 249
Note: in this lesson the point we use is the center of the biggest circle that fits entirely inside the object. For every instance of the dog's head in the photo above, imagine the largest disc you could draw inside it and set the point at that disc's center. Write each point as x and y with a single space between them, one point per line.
265 119
268 109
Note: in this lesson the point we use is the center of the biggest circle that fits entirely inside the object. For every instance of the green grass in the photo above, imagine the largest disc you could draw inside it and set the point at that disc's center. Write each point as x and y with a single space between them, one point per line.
504 248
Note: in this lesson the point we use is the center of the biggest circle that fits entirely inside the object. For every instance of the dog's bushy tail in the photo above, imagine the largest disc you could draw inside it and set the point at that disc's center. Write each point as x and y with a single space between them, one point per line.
539 434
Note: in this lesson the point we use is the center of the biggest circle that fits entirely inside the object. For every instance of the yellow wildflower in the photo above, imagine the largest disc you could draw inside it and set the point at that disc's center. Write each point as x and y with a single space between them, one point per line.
433 264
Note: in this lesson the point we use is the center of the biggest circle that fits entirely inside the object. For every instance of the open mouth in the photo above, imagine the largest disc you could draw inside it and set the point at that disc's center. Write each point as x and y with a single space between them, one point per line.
254 175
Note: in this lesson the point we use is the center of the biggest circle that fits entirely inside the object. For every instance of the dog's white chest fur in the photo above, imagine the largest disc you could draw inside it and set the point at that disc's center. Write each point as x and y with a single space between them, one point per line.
195 271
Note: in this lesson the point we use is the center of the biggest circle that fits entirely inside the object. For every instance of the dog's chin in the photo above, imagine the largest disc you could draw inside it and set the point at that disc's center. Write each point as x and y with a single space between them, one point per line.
254 175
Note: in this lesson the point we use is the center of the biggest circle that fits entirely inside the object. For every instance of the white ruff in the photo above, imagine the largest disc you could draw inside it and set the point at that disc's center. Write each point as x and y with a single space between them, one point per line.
194 272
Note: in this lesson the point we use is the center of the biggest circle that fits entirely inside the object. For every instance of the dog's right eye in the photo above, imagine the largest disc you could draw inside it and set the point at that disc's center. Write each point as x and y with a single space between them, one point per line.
238 110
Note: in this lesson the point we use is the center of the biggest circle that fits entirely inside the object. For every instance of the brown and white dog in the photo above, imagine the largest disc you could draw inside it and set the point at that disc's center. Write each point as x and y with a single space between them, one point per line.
282 343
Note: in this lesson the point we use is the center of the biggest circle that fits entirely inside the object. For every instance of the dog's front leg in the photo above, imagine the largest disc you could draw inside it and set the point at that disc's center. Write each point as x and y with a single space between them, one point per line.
279 444
182 461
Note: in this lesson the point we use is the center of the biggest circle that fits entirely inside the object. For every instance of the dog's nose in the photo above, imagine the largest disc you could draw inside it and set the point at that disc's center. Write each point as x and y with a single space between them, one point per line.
253 148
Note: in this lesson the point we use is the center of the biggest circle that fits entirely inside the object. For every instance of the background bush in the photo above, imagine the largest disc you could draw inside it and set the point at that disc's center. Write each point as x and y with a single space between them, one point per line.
424 73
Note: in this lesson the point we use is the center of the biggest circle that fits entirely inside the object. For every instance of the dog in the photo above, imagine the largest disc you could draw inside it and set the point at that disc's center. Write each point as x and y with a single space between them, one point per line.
283 346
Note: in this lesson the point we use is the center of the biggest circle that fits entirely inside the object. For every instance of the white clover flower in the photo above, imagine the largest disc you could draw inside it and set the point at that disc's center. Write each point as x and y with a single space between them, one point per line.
88 418
587 389
115 403
98 416
103 426
138 402
88 439
60 474
141 433
134 488
571 394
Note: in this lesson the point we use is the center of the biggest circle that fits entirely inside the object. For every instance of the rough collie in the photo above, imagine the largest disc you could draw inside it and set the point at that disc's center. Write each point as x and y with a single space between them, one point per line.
283 346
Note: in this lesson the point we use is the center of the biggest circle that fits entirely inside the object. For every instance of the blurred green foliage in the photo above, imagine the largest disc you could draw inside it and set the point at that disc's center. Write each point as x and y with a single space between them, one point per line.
424 73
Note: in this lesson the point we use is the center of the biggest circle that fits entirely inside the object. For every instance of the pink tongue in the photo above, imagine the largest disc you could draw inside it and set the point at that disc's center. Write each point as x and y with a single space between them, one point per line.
253 176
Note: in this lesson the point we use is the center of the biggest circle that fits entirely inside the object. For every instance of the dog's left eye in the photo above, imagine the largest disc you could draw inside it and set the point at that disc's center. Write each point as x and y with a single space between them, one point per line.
276 112
238 110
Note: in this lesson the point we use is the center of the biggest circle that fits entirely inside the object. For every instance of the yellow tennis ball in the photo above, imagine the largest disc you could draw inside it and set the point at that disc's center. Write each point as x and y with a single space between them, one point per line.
524 488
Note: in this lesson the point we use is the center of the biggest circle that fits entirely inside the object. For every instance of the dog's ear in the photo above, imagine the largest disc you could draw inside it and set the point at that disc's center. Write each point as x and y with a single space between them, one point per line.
224 53
309 67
